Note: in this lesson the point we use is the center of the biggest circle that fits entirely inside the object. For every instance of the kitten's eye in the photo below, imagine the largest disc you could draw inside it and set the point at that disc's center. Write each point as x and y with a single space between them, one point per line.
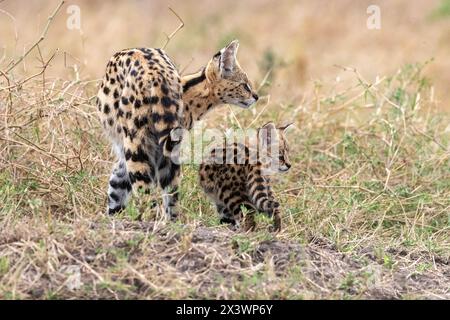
247 87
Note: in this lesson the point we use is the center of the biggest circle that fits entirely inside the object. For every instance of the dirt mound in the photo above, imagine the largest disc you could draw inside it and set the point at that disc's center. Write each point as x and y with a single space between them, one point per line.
113 258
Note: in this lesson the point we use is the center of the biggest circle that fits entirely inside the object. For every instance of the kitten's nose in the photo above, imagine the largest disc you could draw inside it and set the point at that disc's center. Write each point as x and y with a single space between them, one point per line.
255 96
288 165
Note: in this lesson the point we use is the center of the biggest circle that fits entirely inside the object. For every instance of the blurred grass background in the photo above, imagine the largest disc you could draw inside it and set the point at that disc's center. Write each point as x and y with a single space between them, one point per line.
300 41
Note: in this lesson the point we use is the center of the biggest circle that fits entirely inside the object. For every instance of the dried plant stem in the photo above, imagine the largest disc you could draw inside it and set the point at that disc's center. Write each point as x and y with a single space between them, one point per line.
41 38
180 26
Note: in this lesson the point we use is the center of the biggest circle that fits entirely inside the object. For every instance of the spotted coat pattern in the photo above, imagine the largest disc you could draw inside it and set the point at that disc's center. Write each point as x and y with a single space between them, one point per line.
143 100
243 181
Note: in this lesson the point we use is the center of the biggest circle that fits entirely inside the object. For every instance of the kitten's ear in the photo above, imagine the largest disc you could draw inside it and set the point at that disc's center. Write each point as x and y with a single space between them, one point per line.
285 127
227 59
269 125
267 134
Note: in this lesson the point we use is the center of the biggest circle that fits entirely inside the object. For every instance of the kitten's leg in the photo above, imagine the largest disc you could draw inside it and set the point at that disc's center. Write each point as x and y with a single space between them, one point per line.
249 220
225 215
263 200
236 209
272 208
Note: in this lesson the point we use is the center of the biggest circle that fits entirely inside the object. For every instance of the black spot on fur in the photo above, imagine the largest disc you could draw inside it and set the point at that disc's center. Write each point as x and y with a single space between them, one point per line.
166 102
121 184
156 117
169 117
138 156
259 196
259 180
150 100
138 176
132 134
140 122
164 89
114 197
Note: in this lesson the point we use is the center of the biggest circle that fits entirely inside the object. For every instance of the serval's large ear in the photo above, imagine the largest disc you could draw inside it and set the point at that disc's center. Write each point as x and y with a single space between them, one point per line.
222 63
227 61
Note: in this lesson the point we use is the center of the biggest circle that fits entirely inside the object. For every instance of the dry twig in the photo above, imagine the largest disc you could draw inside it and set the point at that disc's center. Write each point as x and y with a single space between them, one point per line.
181 25
41 38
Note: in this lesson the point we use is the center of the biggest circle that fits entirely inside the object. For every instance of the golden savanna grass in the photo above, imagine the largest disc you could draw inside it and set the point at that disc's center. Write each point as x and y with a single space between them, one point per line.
366 203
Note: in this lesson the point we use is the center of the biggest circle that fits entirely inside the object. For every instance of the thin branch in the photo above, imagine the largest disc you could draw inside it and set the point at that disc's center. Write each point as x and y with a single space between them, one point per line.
169 37
186 66
20 83
41 38
36 148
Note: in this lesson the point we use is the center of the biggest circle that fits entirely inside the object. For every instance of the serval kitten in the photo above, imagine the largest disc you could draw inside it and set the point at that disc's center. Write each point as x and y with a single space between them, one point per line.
242 180
143 100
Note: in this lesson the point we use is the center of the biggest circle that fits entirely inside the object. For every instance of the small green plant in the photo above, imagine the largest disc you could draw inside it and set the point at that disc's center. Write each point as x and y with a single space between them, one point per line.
442 11
242 244
4 265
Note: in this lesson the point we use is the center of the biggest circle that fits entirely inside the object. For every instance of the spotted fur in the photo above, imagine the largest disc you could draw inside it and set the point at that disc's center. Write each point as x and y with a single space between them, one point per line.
143 100
244 181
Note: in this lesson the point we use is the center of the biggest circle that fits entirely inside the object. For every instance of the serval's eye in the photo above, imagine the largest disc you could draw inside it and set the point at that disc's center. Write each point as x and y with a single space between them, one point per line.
247 87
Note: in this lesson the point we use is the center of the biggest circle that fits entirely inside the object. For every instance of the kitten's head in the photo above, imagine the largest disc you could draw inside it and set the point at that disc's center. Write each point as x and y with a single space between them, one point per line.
275 147
227 80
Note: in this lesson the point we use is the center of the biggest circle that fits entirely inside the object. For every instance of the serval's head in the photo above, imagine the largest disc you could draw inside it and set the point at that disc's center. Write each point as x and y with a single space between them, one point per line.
227 80
274 146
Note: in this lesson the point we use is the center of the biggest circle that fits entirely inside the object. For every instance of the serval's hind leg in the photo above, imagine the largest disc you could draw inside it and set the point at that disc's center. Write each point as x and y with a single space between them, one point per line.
119 187
169 181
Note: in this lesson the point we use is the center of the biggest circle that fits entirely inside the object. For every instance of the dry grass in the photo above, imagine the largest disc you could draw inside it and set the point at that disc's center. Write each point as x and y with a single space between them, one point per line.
366 202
